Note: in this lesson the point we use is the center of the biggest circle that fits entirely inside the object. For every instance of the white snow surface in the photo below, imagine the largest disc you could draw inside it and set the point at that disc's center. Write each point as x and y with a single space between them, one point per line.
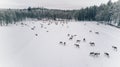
20 47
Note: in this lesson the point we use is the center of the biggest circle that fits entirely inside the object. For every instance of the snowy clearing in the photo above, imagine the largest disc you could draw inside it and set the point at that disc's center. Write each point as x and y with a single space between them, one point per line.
59 44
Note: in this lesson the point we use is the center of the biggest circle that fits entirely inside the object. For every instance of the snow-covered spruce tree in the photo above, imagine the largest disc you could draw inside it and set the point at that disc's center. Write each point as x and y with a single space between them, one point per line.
116 13
104 12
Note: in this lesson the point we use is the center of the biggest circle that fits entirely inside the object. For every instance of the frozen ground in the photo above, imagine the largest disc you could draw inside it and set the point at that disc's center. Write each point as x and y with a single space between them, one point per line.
20 46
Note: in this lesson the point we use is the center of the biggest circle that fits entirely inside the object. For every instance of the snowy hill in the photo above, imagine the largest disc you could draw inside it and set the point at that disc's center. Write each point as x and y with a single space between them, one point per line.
59 44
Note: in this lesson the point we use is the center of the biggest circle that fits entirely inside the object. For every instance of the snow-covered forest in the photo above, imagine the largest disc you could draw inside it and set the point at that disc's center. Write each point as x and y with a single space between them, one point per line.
106 13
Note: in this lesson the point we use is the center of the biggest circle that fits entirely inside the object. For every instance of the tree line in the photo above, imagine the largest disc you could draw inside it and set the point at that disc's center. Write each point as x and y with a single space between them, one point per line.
107 13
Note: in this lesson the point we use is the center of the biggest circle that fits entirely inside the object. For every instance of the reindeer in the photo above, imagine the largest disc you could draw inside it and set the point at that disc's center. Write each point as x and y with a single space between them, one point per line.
25 24
77 45
68 35
90 30
106 54
97 54
114 47
42 26
22 23
84 39
33 28
45 27
60 42
56 23
70 38
96 32
74 35
78 41
63 43
48 23
94 54
36 34
92 43
91 53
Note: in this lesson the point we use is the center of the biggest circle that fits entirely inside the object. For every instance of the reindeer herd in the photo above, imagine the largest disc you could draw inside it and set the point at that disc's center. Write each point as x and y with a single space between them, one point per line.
42 25
77 43
91 43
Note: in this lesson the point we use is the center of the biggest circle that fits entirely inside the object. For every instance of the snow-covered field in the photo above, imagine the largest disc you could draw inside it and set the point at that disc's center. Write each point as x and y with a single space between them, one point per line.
37 44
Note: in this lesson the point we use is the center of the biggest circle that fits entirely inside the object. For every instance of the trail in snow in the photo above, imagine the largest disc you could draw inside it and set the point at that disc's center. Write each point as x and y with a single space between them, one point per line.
59 44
